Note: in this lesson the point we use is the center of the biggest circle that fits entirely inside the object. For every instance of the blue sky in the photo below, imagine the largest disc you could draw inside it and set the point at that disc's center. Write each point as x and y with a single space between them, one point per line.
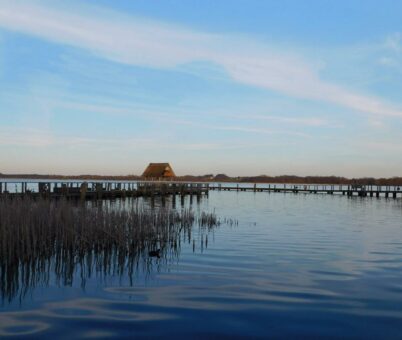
231 86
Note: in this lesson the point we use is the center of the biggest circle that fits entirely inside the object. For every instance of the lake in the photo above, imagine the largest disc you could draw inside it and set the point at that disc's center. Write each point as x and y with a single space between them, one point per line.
280 265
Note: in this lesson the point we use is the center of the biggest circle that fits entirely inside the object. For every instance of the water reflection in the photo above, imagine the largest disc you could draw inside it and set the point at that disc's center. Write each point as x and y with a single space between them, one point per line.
46 242
296 266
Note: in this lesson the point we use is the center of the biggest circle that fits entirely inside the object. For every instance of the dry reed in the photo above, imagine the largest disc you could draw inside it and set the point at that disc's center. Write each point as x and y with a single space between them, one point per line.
39 238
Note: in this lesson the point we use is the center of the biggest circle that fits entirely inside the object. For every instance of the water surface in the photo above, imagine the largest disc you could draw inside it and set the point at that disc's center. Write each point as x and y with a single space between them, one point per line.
294 266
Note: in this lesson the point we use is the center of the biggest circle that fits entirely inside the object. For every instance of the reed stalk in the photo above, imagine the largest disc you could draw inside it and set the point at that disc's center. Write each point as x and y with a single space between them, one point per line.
43 238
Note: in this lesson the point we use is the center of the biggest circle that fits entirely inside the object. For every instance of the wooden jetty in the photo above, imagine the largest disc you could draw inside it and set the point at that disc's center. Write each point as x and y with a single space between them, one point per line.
100 190
346 190
108 189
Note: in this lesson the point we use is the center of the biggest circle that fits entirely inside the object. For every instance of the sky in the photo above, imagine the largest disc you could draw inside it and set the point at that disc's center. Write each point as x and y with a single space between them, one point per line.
241 87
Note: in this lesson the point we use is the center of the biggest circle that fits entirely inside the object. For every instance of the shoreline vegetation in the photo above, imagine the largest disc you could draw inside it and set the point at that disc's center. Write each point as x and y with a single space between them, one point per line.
291 179
40 237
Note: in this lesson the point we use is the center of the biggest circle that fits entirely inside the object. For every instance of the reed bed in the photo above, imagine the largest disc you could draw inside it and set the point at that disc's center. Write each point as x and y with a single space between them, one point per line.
43 238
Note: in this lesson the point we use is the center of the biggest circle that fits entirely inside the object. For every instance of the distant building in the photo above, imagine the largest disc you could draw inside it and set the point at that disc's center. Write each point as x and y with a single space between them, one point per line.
158 171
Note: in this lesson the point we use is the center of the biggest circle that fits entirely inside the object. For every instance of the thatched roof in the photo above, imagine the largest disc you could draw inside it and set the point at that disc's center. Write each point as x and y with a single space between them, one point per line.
159 170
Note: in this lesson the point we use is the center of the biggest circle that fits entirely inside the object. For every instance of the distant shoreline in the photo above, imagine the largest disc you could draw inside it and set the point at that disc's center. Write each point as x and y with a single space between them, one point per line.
223 178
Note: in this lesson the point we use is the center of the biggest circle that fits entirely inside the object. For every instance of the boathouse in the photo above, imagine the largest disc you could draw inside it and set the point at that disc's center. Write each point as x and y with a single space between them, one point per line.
159 171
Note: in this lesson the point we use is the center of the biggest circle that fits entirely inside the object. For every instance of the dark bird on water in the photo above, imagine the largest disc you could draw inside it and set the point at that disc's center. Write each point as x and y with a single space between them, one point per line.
155 253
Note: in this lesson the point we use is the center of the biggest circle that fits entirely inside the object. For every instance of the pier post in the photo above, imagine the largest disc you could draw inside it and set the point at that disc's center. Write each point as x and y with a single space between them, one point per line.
255 187
83 191
174 201
1 188
99 187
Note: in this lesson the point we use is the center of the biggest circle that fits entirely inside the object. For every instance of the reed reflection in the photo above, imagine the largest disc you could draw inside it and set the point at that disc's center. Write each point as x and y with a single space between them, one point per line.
42 240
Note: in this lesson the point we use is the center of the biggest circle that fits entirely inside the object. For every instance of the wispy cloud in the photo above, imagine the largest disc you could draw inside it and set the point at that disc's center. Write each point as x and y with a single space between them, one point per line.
391 63
258 130
394 42
237 128
41 139
303 121
385 147
136 41
37 138
392 48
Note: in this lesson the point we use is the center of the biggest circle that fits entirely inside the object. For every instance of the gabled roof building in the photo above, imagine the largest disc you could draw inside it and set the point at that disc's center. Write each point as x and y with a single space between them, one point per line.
158 171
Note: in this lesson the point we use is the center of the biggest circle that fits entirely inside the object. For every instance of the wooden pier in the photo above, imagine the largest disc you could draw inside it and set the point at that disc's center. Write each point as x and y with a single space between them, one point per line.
108 189
100 190
346 190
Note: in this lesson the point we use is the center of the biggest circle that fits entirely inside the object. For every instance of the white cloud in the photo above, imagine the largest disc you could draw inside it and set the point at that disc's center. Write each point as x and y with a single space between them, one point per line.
307 121
147 43
387 61
394 42
29 137
392 63
39 139
376 123
385 147
257 130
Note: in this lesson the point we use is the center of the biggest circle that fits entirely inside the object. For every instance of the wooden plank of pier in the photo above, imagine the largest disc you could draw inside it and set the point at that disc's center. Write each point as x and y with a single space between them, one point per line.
107 190
347 190
102 190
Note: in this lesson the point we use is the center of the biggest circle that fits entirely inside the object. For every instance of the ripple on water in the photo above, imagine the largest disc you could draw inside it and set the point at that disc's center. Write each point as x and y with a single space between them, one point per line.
294 266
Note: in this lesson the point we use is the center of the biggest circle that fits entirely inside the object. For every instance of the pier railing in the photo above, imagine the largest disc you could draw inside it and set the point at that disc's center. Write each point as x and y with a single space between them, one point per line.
331 189
99 189
111 189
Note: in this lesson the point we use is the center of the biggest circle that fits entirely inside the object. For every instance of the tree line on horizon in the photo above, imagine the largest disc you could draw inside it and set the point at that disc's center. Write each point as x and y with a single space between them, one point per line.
292 179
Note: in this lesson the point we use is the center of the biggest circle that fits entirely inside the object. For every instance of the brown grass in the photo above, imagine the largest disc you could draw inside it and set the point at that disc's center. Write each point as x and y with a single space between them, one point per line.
42 238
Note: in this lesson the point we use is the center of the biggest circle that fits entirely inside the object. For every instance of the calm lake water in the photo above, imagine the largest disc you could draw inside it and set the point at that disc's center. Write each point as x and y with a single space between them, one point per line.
293 266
